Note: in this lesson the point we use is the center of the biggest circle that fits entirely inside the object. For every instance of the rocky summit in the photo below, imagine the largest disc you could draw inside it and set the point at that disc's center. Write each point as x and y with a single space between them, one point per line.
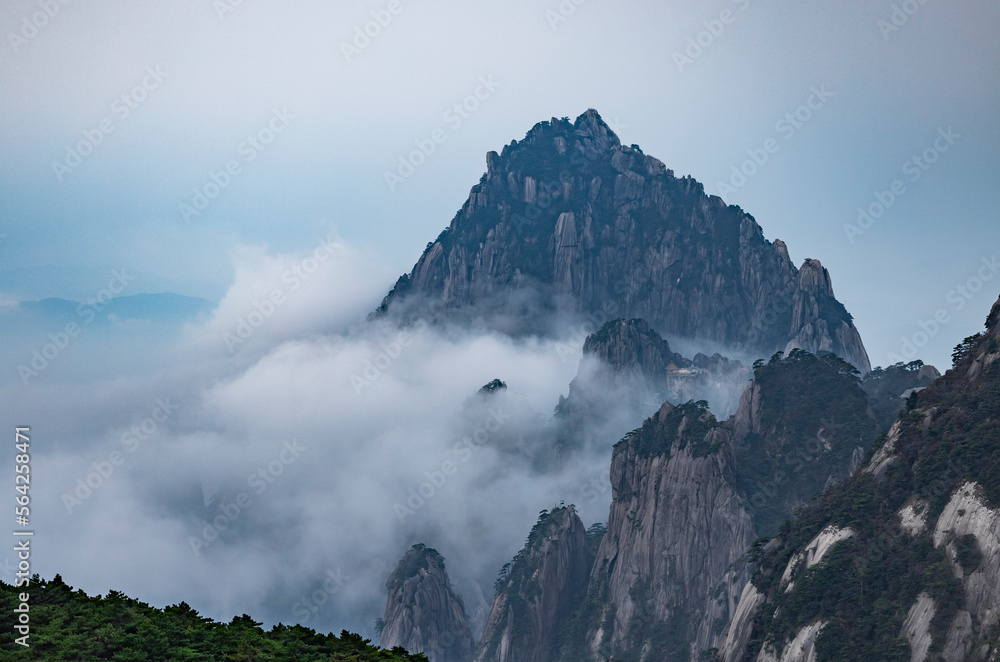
570 222
422 612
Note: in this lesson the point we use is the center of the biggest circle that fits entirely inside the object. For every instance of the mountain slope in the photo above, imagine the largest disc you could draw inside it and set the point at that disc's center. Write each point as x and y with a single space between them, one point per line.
569 221
691 494
668 569
902 561
803 423
538 592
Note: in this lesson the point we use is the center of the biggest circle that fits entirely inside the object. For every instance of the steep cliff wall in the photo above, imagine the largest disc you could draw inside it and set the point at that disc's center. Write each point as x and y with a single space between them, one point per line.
538 592
422 613
669 571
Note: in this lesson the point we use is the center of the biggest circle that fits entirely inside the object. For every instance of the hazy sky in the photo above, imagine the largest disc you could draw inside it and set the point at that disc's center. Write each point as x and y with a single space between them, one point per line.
115 117
354 111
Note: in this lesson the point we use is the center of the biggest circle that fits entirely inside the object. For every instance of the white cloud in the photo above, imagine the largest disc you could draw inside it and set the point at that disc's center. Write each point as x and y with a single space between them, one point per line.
327 499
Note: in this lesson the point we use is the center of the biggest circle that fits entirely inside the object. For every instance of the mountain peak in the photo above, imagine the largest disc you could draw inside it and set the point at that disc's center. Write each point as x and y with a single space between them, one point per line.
570 223
590 125
422 612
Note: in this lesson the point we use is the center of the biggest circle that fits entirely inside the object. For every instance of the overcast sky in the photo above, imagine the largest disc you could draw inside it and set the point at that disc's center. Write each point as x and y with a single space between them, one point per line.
115 117
355 110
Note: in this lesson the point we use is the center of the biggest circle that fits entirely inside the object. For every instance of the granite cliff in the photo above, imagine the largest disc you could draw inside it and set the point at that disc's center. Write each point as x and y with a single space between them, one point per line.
569 223
901 561
422 613
669 571
538 592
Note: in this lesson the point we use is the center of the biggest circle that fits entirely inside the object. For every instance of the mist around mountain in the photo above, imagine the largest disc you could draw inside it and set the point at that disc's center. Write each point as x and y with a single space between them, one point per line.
112 326
568 225
695 498
621 342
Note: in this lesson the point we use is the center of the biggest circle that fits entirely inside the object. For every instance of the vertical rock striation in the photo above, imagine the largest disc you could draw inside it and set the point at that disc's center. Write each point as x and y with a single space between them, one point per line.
570 221
422 613
669 570
538 592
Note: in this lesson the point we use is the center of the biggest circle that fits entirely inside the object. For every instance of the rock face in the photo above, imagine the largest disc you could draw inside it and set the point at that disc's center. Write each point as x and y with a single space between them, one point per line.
668 573
636 355
901 561
803 423
628 370
422 613
800 649
690 496
538 592
970 532
570 221
621 378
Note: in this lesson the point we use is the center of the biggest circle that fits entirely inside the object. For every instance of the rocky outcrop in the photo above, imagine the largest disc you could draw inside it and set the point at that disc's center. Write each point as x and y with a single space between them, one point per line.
811 315
569 221
669 570
635 354
800 649
627 370
740 627
906 550
622 376
970 532
688 492
803 423
813 553
422 613
916 627
538 592
913 516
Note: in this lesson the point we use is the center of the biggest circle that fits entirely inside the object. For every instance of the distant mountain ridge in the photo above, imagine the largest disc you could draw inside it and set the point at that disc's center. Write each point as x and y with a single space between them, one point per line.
571 222
162 306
